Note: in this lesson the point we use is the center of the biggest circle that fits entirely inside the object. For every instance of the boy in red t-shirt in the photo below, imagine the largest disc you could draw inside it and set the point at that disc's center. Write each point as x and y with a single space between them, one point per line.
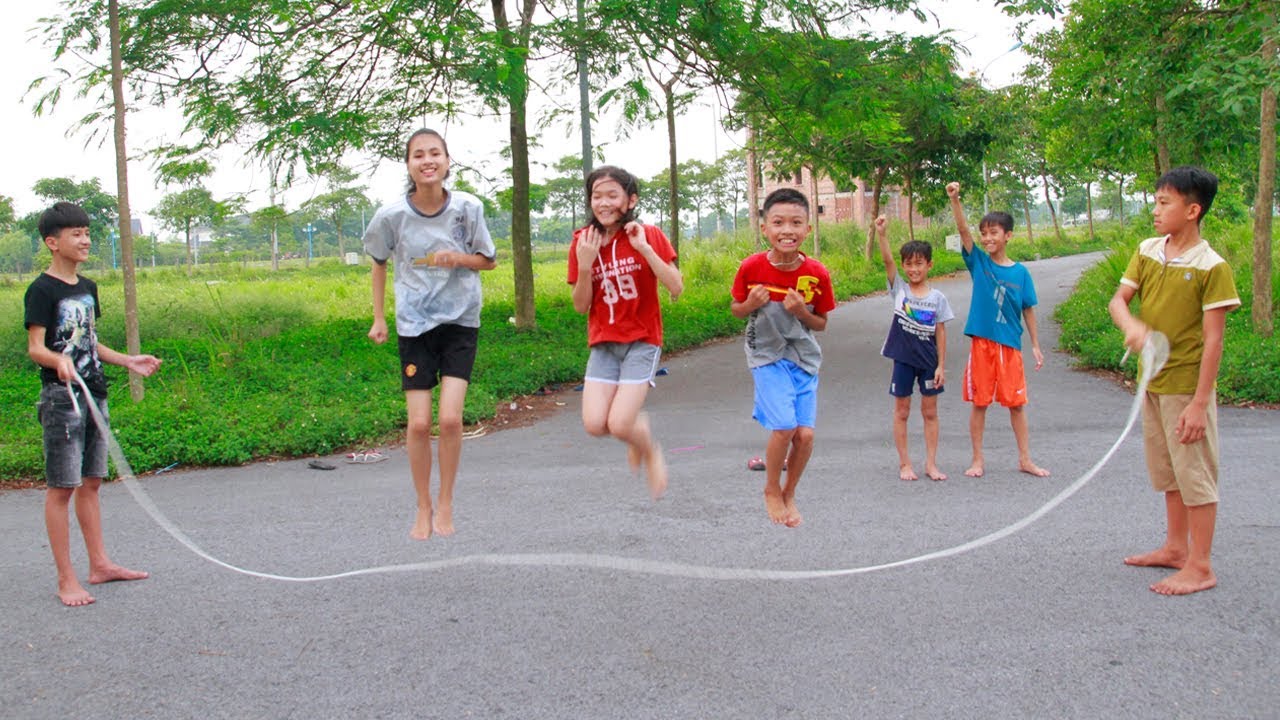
624 261
785 297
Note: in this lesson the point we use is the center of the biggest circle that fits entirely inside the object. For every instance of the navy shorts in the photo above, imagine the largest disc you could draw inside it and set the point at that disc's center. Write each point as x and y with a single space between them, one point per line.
73 447
442 350
905 377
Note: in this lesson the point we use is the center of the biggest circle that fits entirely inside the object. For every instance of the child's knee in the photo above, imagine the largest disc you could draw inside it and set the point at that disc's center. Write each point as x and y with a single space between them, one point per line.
902 409
419 427
595 427
450 424
803 437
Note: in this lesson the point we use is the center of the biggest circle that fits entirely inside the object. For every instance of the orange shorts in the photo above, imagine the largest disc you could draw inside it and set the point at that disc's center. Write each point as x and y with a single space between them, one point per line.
994 374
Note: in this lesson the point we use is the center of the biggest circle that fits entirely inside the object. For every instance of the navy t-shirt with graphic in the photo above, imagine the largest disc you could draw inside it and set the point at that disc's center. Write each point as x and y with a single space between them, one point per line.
913 333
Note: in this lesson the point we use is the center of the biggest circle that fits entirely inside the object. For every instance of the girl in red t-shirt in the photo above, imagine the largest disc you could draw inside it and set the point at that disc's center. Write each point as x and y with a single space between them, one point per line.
615 266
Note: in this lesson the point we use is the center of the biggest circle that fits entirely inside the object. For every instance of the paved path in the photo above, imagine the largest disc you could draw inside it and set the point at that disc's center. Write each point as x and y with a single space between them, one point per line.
1046 623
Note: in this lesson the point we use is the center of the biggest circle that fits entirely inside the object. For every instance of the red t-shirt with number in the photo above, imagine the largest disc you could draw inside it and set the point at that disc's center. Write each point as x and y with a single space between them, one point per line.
624 290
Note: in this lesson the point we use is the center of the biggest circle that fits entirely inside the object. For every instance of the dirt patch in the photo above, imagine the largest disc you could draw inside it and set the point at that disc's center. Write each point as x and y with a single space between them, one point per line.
528 409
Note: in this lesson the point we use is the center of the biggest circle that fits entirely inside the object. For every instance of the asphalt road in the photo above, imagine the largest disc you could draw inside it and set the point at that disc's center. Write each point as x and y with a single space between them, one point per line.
1045 623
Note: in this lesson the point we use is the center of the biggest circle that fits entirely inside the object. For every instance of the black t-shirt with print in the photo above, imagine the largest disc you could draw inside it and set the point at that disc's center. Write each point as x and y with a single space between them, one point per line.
67 313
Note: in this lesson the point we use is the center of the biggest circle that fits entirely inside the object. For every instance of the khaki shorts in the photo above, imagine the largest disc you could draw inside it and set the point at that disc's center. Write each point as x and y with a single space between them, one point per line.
1190 469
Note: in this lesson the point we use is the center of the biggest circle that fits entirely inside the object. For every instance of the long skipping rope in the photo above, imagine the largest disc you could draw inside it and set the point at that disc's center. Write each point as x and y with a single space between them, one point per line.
1154 354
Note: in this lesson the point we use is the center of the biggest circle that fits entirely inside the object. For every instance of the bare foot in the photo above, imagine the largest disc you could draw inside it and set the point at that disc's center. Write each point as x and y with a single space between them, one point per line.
112 573
906 472
1031 468
975 470
933 473
1185 582
776 507
421 525
657 471
74 595
1164 557
793 515
442 520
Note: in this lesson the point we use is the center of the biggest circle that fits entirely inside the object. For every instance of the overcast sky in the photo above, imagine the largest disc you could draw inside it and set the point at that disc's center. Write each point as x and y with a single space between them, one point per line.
38 147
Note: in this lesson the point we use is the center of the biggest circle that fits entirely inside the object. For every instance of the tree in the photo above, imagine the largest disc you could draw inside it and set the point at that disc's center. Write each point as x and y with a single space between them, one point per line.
342 201
89 195
184 210
16 254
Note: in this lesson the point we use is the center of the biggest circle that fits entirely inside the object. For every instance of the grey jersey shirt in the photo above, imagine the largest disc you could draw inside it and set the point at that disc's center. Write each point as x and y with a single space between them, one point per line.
428 296
774 334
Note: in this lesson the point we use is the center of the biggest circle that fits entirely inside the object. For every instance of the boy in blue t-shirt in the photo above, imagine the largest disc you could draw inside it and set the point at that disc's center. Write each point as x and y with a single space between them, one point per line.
917 344
1003 298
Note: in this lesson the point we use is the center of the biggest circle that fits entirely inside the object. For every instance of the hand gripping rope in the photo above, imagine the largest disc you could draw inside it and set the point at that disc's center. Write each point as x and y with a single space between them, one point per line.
1154 354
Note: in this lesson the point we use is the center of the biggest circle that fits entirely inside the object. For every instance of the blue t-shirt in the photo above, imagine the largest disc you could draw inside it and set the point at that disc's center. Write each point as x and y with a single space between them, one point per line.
1000 294
913 332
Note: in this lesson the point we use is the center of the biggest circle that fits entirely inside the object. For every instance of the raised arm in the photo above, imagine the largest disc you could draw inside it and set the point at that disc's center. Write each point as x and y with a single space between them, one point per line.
886 254
957 210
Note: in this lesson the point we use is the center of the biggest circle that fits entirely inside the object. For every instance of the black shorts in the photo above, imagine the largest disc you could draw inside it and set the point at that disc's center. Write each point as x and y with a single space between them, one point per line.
442 350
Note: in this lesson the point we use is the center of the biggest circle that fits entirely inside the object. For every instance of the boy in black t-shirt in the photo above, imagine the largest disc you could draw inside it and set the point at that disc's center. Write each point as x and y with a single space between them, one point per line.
60 310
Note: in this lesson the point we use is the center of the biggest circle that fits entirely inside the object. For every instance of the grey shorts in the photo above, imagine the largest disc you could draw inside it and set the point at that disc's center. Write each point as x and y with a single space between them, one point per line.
73 447
623 363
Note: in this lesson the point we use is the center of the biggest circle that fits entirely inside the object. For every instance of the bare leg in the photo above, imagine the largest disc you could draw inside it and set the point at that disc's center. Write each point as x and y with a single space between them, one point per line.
418 447
630 424
1196 574
977 425
1173 554
774 455
453 391
929 411
797 459
58 524
901 413
89 515
1018 419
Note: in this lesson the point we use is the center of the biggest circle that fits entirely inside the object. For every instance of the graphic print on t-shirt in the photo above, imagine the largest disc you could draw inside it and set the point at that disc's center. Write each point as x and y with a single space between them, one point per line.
74 333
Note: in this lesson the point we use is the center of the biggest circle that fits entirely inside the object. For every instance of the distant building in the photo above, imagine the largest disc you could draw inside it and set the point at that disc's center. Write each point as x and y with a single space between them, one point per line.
842 202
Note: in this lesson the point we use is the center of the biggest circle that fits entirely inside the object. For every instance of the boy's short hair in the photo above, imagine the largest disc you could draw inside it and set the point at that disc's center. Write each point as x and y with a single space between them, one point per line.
785 196
914 248
1195 184
1002 219
61 216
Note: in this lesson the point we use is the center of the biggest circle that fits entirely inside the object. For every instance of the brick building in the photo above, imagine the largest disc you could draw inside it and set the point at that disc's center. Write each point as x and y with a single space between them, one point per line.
844 201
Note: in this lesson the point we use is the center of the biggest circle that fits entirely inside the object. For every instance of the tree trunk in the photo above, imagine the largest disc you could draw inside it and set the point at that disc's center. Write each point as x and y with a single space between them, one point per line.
1026 207
584 97
1263 204
337 227
133 341
521 237
1162 139
1053 214
1088 203
1120 191
813 187
673 178
876 188
187 230
911 207
753 190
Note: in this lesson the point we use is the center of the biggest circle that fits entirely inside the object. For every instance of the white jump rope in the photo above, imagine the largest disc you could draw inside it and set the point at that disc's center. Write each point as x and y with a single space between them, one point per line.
1154 354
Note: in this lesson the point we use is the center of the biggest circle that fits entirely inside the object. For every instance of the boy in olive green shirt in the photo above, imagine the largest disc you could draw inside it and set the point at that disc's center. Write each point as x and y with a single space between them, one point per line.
1186 290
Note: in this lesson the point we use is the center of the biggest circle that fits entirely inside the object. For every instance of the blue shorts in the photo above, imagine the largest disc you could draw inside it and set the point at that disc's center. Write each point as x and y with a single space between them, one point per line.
905 377
786 396
73 447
